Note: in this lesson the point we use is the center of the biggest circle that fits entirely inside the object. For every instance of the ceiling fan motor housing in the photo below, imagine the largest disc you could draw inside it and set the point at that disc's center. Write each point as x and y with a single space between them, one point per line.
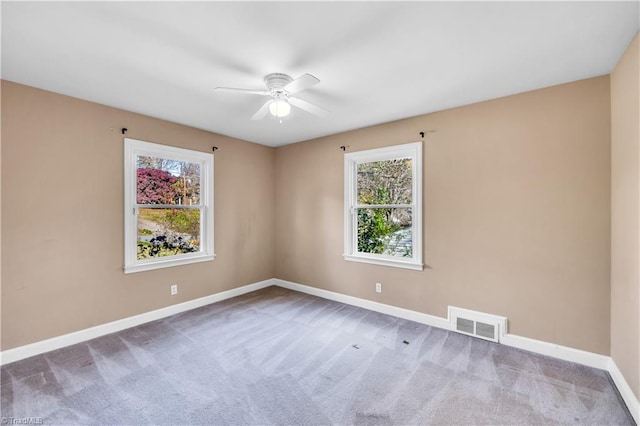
275 82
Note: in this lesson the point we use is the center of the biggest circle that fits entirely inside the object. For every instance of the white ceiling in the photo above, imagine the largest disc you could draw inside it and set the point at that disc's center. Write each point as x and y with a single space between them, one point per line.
377 62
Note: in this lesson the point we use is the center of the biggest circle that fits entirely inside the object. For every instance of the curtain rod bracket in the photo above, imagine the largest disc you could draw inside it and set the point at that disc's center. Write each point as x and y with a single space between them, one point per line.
124 130
214 148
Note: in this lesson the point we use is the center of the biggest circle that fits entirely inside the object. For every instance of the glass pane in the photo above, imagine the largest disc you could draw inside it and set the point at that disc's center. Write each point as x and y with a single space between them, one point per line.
168 232
385 231
385 182
165 181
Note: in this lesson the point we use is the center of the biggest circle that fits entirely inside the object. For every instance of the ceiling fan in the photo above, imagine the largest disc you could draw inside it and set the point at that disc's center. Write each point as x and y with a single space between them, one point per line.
281 87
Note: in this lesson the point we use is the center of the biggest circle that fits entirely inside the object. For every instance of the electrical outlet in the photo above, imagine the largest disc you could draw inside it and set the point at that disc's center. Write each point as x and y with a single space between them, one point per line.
174 289
378 287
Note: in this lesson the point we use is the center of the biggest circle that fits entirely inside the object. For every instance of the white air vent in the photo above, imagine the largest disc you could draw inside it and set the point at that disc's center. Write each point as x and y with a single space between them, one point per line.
477 324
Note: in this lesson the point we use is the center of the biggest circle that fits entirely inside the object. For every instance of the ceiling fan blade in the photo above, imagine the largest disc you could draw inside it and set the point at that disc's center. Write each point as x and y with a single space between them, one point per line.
241 91
263 111
309 107
301 83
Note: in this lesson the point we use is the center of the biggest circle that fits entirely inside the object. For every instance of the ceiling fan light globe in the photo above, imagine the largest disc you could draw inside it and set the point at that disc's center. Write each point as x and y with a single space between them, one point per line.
279 108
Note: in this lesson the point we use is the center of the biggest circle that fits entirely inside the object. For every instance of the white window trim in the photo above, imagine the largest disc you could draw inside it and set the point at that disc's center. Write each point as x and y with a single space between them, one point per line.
351 161
134 148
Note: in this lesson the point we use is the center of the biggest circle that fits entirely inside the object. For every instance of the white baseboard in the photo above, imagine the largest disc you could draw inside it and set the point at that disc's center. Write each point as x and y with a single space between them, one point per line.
366 304
562 352
625 390
590 359
566 353
58 342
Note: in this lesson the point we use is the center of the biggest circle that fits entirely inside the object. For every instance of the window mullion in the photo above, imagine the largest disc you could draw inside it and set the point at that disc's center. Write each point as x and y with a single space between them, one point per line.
169 206
384 206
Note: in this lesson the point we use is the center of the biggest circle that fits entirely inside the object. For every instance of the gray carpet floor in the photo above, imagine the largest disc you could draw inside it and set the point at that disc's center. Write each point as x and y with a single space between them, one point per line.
280 357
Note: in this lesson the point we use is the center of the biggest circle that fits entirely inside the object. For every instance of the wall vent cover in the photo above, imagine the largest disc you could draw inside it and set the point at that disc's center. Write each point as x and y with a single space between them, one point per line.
477 324
465 325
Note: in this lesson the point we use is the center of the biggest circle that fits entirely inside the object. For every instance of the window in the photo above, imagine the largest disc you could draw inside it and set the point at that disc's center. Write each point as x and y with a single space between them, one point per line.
383 206
168 206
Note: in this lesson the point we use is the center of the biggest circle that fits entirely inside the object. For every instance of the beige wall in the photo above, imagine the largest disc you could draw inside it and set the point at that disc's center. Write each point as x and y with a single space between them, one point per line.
625 215
62 216
516 213
1 316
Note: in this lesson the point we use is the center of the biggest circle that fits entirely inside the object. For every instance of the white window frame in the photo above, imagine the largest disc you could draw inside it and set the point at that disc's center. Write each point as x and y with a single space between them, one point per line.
134 148
351 160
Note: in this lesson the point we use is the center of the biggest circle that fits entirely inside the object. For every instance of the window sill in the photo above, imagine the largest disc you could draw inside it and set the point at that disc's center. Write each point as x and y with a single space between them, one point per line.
158 264
383 261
